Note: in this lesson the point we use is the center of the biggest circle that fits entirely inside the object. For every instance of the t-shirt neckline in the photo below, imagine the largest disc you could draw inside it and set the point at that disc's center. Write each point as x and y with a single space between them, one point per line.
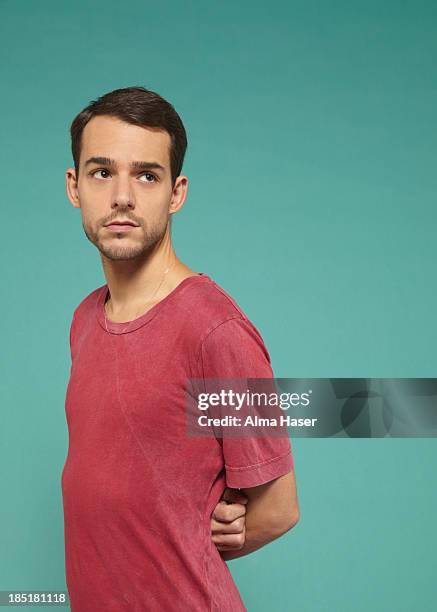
129 326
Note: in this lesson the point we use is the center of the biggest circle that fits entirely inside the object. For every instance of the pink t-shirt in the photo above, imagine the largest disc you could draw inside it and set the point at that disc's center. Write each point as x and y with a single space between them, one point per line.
138 492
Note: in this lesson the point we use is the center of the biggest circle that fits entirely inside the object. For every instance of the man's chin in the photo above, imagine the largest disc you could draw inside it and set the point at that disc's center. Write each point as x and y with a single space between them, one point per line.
118 250
120 253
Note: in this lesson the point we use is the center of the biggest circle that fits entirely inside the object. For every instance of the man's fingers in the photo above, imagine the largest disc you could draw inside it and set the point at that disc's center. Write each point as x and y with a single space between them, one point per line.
234 541
236 526
228 512
234 496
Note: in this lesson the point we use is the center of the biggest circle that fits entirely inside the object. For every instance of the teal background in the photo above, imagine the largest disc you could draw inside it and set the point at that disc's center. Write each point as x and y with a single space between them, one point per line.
312 167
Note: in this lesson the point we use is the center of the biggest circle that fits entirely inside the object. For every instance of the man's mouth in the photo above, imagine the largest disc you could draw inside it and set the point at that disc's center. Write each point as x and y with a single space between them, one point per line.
121 226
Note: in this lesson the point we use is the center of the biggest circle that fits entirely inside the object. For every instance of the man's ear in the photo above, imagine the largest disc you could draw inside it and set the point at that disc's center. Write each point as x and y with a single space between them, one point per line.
179 194
71 186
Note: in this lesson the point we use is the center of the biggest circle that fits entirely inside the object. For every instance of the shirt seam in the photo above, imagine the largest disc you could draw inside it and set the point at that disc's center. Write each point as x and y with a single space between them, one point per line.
255 465
207 334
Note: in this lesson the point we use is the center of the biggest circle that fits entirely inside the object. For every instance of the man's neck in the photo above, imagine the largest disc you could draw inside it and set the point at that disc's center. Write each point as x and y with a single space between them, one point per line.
136 286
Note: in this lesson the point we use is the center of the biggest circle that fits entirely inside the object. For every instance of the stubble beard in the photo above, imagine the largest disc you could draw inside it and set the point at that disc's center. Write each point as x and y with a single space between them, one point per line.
113 248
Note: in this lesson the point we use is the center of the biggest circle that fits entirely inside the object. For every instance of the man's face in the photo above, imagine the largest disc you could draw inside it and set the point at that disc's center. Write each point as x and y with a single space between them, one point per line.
114 190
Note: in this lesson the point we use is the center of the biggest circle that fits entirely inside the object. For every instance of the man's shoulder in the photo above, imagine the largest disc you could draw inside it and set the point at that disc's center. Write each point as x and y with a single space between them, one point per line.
89 301
211 303
215 309
221 327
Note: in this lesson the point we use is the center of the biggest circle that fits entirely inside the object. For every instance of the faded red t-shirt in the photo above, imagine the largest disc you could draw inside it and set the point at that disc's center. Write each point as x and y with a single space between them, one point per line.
138 492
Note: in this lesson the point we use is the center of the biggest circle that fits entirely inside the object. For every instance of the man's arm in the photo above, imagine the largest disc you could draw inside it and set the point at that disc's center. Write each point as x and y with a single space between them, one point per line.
272 510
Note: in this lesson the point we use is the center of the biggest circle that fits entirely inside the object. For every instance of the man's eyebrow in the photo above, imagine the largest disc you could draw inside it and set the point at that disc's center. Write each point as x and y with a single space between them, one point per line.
138 165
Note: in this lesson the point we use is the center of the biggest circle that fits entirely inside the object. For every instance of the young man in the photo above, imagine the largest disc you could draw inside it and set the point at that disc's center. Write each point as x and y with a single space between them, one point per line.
141 496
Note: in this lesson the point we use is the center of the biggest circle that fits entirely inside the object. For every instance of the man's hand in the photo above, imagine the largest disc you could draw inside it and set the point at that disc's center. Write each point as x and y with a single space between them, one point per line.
272 510
228 521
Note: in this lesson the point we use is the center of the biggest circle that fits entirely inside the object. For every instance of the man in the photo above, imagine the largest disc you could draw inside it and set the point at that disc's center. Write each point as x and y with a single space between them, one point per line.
140 496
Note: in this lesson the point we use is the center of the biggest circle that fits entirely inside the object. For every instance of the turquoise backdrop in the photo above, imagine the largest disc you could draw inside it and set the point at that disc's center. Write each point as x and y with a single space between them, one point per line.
312 200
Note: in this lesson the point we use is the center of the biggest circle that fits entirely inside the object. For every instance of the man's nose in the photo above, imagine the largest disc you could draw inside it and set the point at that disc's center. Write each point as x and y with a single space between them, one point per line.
122 196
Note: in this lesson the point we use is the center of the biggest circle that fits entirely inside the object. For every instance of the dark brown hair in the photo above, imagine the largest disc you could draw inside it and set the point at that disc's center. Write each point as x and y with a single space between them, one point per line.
138 106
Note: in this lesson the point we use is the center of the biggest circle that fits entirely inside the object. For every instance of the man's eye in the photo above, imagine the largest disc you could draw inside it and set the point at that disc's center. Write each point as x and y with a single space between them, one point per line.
149 174
96 171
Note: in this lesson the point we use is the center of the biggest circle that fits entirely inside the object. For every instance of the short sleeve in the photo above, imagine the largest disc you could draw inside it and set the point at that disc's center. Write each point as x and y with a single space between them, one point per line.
235 349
